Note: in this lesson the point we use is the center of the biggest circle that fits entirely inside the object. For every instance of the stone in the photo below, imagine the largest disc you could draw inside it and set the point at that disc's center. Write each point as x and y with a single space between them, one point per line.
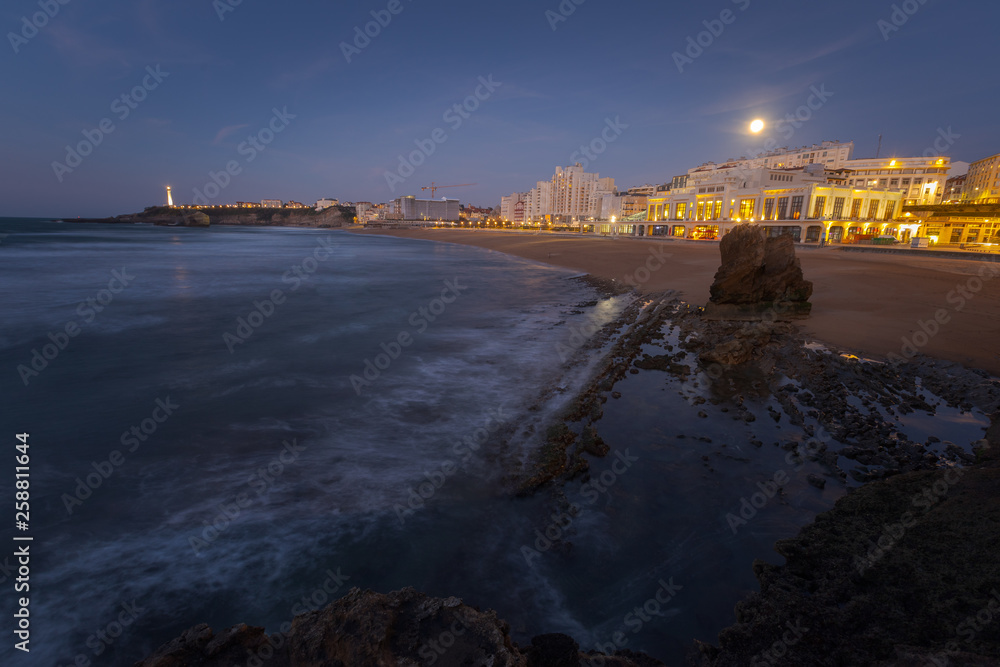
760 278
404 629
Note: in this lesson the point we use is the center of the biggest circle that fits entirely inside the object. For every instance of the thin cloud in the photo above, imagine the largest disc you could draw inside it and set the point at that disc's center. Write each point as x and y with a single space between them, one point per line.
226 131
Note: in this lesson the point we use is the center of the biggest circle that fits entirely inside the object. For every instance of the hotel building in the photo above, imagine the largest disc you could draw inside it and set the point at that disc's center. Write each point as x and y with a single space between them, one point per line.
805 203
571 196
922 180
982 183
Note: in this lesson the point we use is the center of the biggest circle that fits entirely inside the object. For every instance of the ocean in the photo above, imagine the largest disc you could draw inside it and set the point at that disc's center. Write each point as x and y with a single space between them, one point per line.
236 425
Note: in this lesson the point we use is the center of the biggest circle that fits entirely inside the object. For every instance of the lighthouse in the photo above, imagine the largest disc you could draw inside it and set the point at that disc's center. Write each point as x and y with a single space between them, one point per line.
170 198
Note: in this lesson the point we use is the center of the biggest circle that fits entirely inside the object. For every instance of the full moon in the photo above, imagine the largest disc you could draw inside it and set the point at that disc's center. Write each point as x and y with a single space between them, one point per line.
757 126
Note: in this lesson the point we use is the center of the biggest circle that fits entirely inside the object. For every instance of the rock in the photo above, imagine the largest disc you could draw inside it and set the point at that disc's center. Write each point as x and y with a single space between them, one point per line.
362 628
760 278
853 603
553 650
179 219
368 629
817 481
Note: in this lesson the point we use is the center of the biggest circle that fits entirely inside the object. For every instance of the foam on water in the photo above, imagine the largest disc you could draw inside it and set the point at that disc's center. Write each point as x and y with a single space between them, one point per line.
338 503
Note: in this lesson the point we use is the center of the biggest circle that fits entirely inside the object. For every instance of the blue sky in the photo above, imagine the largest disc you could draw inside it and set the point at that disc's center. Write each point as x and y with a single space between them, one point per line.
606 60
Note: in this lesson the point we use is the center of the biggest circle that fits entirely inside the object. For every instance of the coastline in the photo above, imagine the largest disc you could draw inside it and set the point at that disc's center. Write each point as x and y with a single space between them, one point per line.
872 304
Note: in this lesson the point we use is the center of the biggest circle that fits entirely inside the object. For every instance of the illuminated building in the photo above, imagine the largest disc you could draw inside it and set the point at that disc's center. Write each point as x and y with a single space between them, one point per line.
805 203
572 194
982 183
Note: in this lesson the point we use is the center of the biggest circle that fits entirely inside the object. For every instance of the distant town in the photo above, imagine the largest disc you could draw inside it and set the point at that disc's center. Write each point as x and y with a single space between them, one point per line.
817 194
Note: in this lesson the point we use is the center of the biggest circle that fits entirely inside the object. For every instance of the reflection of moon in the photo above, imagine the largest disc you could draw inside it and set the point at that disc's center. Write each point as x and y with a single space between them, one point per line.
757 126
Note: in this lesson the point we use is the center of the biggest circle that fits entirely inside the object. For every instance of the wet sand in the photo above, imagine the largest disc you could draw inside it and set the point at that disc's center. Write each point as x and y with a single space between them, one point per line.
865 302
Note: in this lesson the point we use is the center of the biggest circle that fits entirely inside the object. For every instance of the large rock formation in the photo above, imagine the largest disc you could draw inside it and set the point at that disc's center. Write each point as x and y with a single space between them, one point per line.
367 629
760 278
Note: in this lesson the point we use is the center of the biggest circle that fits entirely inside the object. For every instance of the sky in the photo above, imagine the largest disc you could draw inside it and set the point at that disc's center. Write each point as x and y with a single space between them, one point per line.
296 106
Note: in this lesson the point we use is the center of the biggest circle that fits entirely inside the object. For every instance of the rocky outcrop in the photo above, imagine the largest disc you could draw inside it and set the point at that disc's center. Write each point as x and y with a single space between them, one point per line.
367 629
900 572
191 219
760 278
333 217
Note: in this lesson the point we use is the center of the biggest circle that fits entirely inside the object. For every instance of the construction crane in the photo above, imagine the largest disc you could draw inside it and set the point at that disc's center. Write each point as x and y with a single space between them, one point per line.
434 187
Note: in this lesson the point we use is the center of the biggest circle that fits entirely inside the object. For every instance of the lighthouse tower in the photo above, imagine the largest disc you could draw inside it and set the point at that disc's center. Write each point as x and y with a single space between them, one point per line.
170 198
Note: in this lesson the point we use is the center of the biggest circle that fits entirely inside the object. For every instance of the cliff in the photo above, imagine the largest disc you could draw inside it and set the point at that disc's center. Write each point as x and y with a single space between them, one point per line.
336 216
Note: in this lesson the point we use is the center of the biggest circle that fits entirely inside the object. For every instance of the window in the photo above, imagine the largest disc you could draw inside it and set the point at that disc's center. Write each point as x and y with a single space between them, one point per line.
769 208
856 209
890 209
681 210
747 207
819 207
873 209
782 208
838 208
701 210
717 214
894 183
797 207
882 182
906 182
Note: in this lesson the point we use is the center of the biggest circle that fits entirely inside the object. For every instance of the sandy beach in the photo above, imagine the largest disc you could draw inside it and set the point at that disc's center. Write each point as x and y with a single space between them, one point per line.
867 303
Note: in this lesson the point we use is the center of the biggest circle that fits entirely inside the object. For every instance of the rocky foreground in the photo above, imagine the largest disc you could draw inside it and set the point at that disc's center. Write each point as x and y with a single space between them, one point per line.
401 629
904 570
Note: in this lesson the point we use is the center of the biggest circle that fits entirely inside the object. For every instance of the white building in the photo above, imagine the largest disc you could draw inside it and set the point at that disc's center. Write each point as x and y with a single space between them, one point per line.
808 204
514 207
620 205
326 202
412 209
830 154
921 179
572 195
272 203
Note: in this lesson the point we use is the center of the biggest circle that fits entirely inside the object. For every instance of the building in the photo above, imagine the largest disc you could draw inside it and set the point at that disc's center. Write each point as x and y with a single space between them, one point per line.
170 197
570 196
295 204
247 204
830 154
648 189
965 224
512 207
476 214
982 184
807 203
326 202
272 203
413 209
954 188
921 180
365 211
620 205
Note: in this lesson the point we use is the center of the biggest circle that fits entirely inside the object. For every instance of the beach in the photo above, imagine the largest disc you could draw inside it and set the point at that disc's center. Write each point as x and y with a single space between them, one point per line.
871 304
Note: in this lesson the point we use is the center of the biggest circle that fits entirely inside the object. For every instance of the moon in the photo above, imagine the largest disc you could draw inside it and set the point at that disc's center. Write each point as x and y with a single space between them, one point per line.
757 126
